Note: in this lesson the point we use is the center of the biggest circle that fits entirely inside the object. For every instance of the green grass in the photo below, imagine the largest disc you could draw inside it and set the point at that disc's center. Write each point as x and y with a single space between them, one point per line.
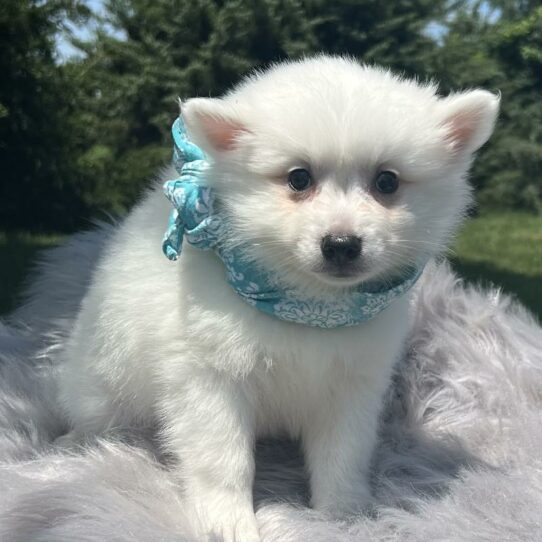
17 252
503 249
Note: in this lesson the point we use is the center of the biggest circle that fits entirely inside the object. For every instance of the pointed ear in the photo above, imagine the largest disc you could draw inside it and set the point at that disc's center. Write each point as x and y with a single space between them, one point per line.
469 119
212 124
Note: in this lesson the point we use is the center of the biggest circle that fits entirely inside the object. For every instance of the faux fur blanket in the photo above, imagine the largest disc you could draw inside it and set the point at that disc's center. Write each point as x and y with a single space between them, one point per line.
459 459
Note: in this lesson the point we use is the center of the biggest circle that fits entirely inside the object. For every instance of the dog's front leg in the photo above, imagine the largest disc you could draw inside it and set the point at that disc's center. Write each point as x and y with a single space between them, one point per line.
209 427
338 444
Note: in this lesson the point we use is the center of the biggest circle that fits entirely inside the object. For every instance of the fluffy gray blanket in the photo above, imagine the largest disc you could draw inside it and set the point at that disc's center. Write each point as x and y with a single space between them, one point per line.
459 457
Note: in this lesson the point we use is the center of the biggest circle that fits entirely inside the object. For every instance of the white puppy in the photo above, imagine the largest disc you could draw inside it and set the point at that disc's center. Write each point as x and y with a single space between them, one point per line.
333 176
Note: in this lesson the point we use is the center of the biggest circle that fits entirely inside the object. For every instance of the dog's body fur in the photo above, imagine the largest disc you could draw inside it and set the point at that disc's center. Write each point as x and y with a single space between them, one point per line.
157 342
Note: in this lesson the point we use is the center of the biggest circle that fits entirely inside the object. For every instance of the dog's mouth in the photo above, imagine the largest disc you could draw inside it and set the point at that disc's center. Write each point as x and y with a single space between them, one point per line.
343 275
352 274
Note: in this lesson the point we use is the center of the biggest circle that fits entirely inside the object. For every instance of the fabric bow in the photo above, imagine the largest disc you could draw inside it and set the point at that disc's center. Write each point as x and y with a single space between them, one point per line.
192 216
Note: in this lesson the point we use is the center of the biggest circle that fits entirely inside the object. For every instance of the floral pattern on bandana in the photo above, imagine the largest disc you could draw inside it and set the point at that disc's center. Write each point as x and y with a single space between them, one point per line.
195 220
314 314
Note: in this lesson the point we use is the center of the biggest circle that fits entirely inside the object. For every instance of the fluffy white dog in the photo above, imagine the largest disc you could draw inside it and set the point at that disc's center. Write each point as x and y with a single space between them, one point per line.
332 176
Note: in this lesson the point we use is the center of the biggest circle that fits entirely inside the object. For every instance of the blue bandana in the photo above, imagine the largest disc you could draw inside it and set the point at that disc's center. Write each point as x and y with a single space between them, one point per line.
194 219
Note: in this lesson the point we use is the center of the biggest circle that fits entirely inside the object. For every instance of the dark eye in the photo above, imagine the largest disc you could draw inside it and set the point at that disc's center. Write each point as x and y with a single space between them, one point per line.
299 179
387 182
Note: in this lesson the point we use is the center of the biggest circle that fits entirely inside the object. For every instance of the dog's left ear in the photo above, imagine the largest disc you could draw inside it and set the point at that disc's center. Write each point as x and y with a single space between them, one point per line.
212 124
469 119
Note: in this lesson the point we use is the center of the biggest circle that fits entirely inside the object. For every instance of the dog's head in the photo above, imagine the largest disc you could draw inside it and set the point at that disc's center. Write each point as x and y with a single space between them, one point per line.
336 173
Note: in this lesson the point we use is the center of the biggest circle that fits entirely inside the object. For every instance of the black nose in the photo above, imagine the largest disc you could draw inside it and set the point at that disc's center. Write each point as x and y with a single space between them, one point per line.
341 249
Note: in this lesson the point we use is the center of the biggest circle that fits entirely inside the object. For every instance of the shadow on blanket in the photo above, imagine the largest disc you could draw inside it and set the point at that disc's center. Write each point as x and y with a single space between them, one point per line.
459 455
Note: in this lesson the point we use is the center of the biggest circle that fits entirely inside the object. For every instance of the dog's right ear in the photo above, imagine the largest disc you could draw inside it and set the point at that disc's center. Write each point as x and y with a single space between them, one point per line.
215 126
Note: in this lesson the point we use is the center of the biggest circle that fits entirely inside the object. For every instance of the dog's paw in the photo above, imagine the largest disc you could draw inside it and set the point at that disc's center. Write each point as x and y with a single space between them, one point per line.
244 529
223 521
230 530
345 504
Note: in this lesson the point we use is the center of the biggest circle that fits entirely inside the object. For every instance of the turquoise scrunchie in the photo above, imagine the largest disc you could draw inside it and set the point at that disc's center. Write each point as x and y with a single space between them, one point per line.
194 219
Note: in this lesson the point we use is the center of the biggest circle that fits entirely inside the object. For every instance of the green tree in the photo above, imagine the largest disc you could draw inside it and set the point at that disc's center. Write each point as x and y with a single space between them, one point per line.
501 50
389 33
37 187
511 176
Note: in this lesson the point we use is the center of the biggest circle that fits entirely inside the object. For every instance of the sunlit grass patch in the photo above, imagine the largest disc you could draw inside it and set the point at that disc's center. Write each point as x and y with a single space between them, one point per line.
505 249
17 252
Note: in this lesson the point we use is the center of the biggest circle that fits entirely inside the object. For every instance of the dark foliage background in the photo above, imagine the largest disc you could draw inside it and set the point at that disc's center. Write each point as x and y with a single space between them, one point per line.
82 137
